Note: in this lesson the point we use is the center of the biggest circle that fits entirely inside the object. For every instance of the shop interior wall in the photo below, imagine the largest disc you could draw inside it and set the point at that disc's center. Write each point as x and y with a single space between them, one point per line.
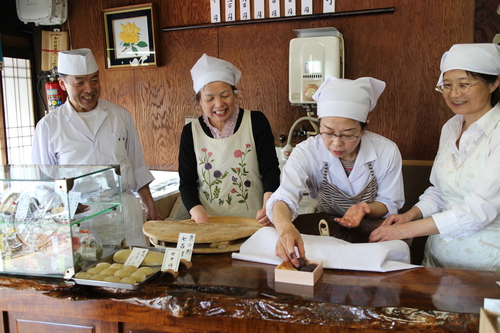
402 48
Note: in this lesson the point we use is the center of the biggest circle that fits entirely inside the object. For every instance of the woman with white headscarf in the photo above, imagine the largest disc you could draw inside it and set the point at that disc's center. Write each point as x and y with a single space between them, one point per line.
461 209
227 160
352 172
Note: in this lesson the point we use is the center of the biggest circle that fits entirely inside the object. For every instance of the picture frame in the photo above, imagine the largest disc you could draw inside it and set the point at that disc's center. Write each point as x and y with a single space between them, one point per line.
131 36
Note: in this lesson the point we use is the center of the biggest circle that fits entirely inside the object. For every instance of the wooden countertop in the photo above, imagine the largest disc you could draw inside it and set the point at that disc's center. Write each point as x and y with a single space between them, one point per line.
218 290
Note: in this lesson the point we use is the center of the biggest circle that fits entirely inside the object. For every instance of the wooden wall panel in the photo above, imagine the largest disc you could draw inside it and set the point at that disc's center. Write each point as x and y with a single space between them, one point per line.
402 48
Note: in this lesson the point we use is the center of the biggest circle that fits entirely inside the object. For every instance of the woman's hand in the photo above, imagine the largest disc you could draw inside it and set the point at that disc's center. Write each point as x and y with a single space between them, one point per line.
354 215
388 232
396 219
262 218
285 246
199 214
405 230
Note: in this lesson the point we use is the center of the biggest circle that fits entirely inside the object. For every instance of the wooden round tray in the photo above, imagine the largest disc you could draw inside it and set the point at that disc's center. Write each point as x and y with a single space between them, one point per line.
223 234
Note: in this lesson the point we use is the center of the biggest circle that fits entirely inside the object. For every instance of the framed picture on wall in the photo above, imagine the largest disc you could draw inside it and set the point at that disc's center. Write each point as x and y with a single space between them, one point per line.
131 36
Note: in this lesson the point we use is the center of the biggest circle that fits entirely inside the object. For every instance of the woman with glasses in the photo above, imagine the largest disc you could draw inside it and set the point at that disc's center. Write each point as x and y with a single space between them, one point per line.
353 173
460 211
227 159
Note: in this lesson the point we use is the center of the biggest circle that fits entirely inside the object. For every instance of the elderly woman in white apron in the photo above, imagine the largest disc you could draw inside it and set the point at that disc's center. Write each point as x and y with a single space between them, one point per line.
461 210
353 173
227 159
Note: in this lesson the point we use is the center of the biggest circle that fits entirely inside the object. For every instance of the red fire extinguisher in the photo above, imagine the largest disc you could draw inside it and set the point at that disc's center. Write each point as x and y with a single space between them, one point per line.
55 95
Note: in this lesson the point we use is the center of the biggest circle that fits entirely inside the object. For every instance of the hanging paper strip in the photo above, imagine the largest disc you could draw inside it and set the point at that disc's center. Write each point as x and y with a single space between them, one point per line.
245 10
307 7
290 8
328 6
215 11
274 8
230 16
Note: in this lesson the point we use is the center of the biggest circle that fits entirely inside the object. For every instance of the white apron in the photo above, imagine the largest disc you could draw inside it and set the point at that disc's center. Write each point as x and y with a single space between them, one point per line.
229 180
479 251
133 220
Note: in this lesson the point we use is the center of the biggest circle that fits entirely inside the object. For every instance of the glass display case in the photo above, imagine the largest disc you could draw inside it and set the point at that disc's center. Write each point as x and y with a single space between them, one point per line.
56 219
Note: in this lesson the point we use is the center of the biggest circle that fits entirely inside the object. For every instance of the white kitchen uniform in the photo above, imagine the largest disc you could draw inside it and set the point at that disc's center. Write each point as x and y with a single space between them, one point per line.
62 137
304 171
228 171
464 200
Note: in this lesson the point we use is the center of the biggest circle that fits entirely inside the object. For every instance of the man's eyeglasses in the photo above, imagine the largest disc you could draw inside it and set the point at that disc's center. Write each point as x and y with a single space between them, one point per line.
462 88
341 137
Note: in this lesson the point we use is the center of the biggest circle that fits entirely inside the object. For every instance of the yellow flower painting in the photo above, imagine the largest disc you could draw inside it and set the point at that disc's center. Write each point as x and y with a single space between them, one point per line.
130 37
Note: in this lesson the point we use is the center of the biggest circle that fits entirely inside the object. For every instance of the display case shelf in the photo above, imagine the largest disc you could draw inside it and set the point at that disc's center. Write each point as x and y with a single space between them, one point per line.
55 218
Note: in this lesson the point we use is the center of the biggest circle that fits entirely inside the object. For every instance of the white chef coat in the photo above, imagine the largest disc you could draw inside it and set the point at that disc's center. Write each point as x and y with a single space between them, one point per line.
62 137
304 171
464 200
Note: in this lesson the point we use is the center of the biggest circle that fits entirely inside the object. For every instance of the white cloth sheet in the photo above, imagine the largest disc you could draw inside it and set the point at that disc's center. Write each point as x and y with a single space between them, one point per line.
333 252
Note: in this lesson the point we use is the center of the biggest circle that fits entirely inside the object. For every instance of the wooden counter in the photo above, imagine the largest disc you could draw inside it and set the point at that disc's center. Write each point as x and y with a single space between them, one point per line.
219 294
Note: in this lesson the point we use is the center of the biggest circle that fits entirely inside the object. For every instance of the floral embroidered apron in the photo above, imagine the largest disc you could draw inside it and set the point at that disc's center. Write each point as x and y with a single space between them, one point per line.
480 250
228 171
334 201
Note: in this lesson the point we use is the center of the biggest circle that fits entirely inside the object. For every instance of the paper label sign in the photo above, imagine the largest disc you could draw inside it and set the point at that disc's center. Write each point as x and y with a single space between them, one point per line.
171 260
186 244
136 257
22 207
74 199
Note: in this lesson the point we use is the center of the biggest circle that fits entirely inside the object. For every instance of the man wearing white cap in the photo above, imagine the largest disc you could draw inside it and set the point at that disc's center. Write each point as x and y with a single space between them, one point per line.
87 130
353 173
461 210
227 159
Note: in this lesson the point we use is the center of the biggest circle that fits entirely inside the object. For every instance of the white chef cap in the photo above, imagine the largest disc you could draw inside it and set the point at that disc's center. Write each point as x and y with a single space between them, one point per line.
76 62
209 69
345 98
478 58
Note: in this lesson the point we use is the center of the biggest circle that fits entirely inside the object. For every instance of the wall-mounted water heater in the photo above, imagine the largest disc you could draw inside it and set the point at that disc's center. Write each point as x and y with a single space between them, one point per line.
314 55
42 12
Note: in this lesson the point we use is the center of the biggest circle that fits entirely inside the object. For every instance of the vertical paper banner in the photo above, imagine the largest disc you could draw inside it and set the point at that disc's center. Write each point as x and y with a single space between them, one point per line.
258 9
328 6
230 10
244 9
274 8
215 11
307 7
289 7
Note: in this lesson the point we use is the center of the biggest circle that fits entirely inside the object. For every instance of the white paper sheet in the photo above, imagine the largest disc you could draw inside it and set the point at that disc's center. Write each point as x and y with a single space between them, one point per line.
493 306
333 252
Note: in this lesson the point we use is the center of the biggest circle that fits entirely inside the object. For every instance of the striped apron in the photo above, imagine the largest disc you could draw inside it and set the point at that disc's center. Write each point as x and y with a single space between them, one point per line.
334 201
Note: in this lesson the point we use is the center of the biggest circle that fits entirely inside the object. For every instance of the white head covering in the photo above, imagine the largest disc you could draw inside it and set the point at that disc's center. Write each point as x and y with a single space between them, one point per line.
209 69
477 58
76 62
352 99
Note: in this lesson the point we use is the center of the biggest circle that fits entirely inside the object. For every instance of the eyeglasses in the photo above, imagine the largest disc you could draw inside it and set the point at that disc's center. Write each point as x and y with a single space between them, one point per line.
341 137
462 88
